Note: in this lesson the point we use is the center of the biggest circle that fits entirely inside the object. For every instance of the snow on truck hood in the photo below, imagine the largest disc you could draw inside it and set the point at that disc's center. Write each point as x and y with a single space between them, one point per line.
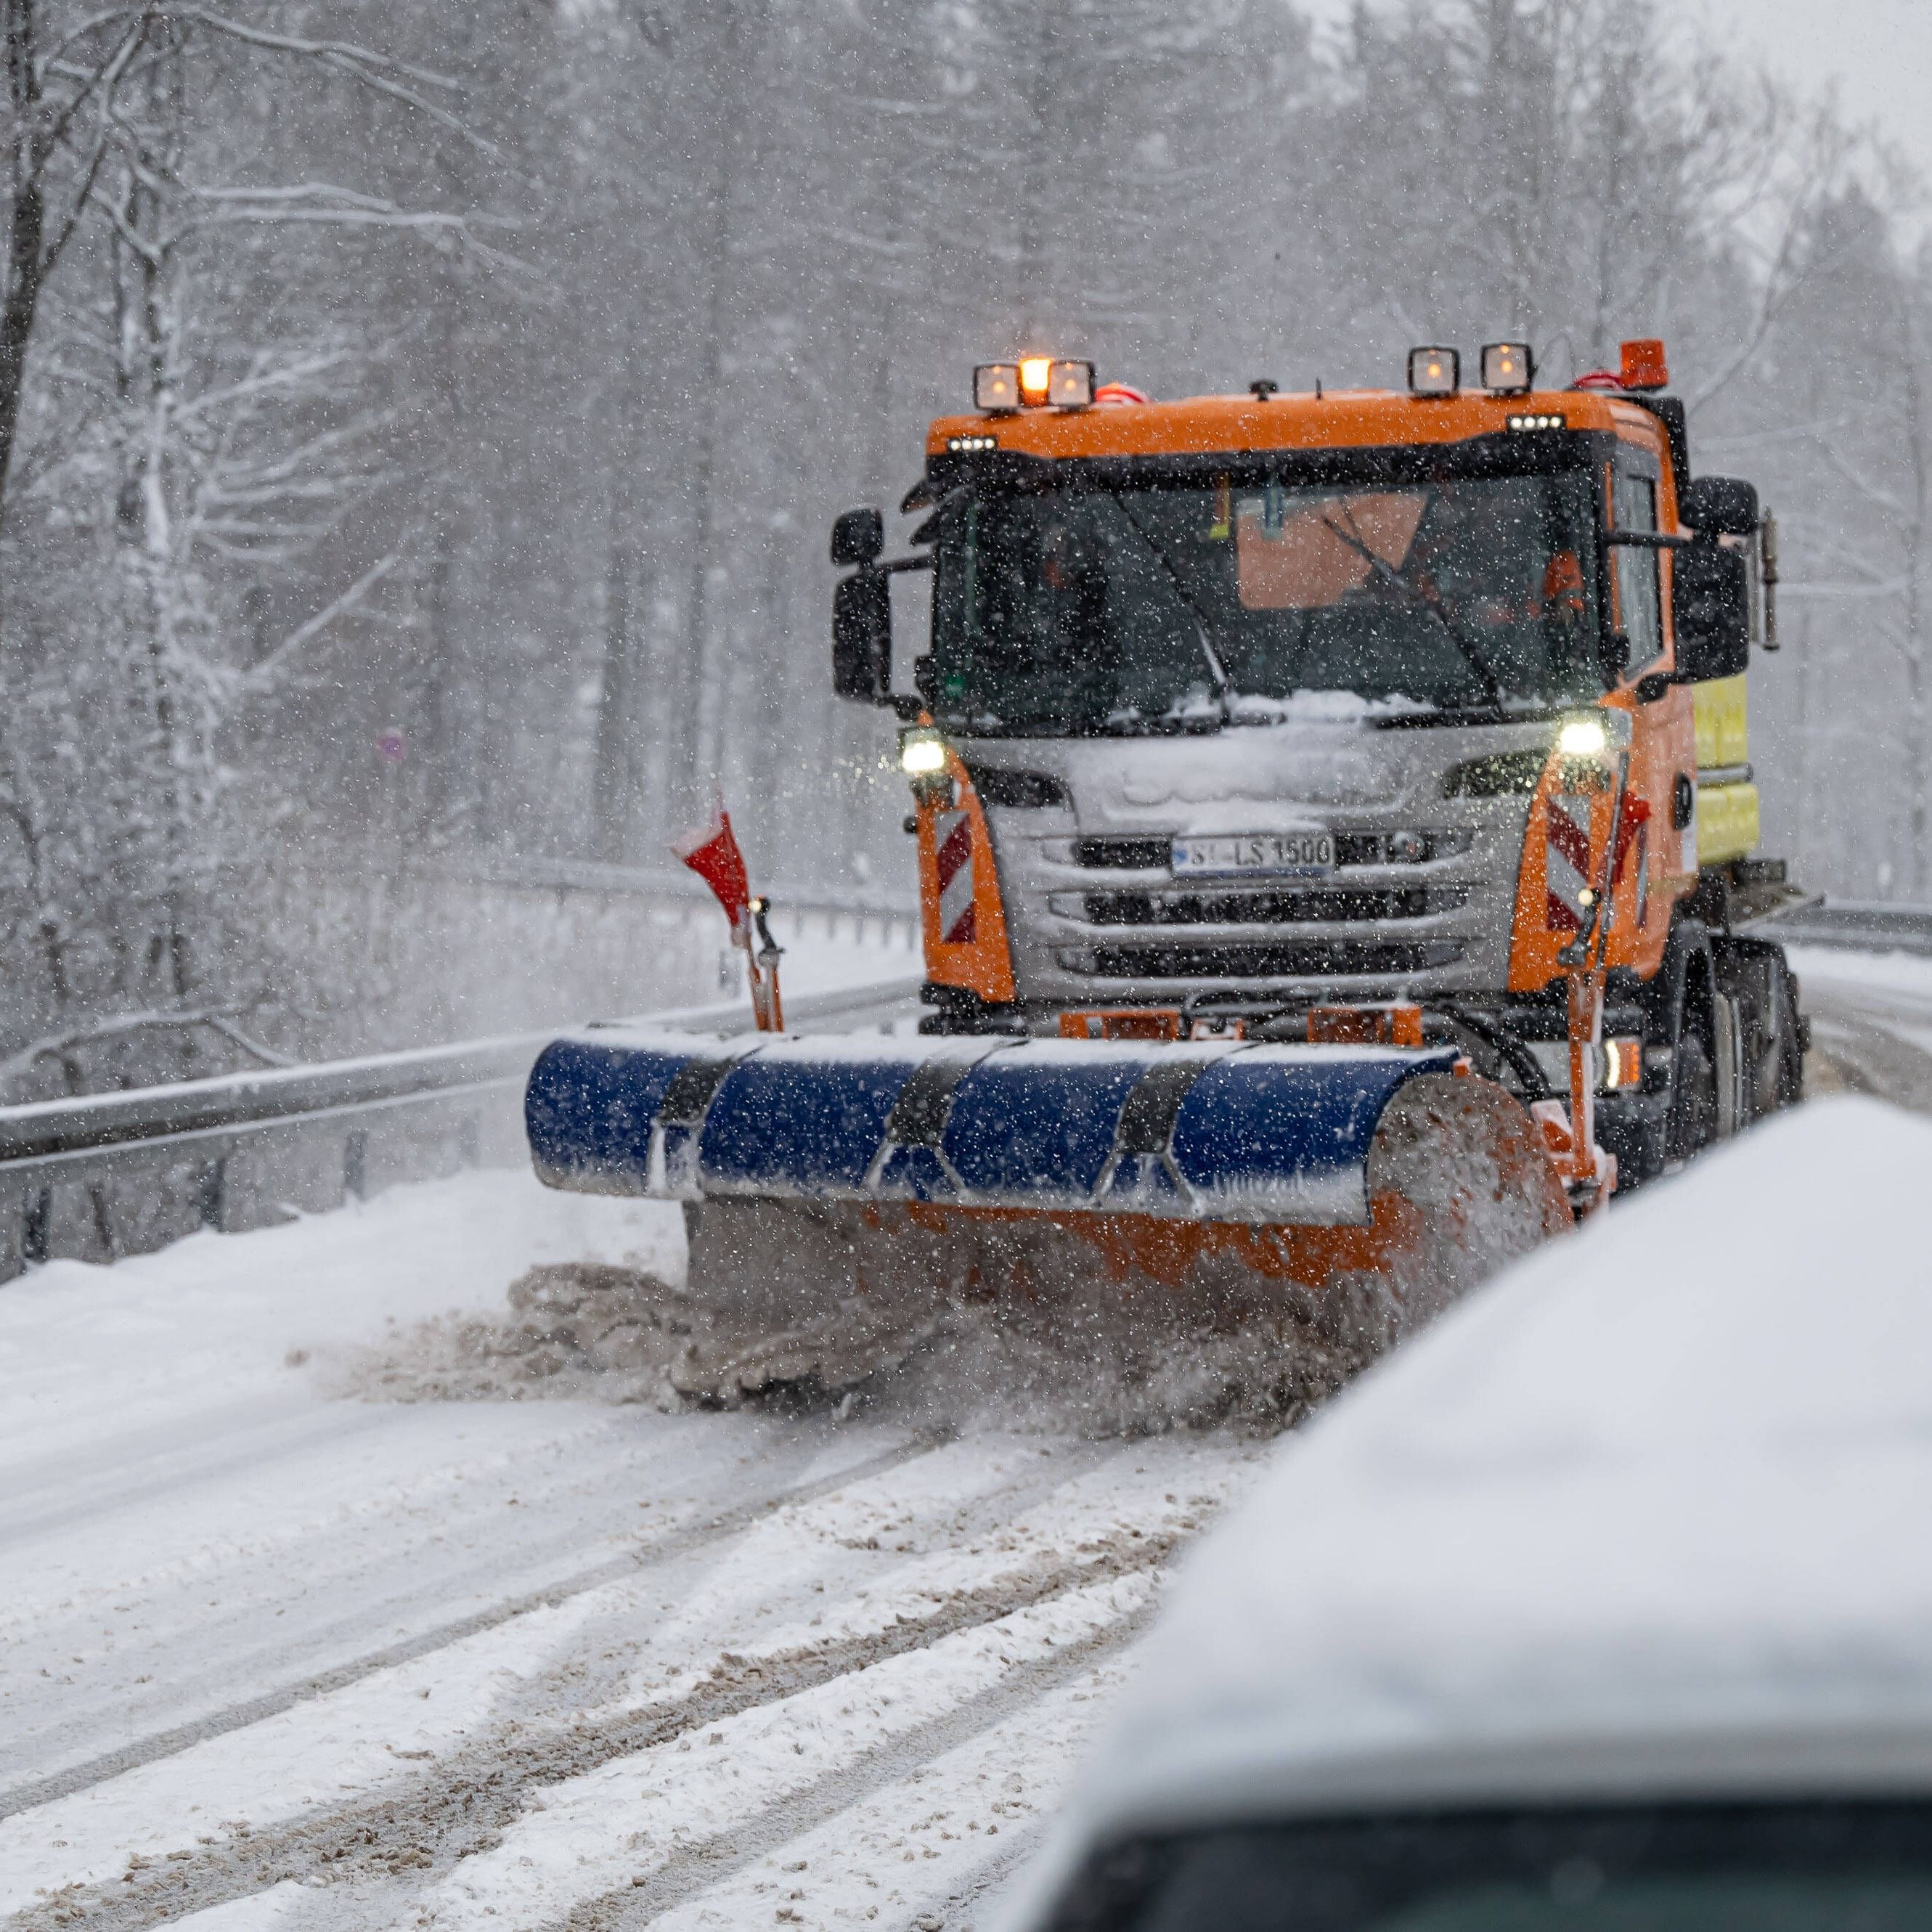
1653 1512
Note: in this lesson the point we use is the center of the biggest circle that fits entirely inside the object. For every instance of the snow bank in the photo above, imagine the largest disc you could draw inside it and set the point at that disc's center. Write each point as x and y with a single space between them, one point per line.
88 1352
1651 1506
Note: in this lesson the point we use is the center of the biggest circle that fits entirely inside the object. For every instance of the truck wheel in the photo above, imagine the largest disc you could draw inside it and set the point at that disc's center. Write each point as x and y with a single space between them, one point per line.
1692 1124
1730 1065
1786 1086
1791 1080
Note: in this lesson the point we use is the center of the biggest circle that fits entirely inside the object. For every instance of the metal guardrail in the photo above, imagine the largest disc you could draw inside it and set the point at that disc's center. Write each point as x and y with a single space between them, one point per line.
669 882
316 1131
1861 926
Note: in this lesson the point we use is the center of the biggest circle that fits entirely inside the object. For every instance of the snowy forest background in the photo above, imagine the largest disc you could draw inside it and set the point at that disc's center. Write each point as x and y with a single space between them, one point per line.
421 424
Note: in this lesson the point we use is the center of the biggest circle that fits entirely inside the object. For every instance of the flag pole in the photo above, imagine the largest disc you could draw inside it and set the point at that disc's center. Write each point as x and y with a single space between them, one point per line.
713 854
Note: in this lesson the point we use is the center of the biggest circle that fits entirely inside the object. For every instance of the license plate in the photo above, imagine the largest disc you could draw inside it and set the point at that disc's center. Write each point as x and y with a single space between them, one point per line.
1295 854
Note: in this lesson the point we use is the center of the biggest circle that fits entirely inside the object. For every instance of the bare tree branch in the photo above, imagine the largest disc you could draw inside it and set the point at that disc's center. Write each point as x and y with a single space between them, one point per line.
370 69
263 676
69 1040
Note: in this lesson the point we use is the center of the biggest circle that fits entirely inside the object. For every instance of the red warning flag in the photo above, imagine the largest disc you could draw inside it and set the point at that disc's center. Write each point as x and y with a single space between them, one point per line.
713 855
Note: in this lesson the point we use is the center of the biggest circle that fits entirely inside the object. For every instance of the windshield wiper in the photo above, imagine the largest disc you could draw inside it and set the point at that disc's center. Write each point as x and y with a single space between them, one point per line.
1493 687
1223 686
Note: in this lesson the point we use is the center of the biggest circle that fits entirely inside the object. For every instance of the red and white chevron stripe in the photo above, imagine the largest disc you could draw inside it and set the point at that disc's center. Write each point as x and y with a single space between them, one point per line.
1567 871
1633 844
953 837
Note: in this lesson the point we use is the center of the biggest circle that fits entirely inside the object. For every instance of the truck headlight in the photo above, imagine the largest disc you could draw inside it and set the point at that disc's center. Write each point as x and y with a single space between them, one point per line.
922 754
1582 738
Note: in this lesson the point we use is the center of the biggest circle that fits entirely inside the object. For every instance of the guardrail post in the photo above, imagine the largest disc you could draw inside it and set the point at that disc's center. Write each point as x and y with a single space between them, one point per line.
36 1221
354 1164
211 1195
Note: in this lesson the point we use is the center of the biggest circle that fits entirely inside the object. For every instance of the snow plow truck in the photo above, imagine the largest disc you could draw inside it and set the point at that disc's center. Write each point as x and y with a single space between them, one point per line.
1336 837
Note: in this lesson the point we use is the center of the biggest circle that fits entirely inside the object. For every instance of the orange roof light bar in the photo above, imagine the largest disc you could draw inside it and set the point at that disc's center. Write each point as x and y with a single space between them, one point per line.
1346 420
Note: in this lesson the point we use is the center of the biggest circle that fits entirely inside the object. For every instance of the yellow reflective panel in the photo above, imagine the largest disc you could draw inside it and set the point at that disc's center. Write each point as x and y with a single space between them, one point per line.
1723 734
1727 823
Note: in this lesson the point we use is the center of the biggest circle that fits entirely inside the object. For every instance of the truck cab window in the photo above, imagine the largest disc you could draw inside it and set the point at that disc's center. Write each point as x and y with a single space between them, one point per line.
1125 608
1639 605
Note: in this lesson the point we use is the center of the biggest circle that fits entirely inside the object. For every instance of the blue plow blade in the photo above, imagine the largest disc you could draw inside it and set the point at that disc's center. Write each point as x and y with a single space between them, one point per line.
1194 1132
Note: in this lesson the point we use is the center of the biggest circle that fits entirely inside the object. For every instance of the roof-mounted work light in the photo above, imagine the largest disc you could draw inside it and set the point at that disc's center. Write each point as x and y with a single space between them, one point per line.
1509 368
996 387
1069 386
1434 372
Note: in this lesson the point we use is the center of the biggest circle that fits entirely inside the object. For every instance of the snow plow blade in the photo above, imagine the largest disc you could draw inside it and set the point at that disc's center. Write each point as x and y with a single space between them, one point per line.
844 1195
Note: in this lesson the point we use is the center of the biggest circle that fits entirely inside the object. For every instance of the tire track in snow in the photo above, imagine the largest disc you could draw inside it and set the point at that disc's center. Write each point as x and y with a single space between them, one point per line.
1100 1528
682 1798
1007 1752
678 1543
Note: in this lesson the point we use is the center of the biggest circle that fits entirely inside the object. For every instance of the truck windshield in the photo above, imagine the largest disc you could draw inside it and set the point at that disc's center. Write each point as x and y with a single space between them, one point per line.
1090 609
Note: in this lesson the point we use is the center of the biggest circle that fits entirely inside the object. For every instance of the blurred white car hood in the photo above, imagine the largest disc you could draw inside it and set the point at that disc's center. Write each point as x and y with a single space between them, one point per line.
1652 1514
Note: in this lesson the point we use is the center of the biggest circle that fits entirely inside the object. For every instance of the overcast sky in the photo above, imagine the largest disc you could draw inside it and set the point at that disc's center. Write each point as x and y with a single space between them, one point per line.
1879 52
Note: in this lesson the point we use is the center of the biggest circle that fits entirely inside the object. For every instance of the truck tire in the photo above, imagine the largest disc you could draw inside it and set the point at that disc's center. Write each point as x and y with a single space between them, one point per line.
1783 1083
1755 980
1730 1065
1692 1124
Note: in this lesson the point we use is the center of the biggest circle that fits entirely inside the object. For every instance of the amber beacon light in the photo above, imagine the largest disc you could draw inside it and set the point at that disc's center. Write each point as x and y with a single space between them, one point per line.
1434 372
1644 367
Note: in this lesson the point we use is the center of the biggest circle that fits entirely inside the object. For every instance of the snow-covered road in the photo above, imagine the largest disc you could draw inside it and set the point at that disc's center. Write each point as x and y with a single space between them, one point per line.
275 1652
1871 1023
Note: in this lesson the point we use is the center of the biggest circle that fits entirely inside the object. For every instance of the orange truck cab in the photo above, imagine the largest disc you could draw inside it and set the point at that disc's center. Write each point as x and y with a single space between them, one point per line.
1379 710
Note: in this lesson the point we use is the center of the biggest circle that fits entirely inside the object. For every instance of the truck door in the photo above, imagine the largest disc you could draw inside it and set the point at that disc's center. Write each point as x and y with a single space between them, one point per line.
1658 858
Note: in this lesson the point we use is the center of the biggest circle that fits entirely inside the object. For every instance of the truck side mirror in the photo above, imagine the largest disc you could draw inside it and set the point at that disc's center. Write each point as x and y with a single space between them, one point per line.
858 537
1710 603
1719 506
862 633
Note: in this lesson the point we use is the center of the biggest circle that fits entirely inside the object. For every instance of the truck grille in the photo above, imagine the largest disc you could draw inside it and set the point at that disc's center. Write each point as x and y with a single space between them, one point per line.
1380 958
1278 907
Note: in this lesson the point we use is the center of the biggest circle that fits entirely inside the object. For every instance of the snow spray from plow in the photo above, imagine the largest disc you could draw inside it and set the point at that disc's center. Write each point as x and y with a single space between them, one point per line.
844 1195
